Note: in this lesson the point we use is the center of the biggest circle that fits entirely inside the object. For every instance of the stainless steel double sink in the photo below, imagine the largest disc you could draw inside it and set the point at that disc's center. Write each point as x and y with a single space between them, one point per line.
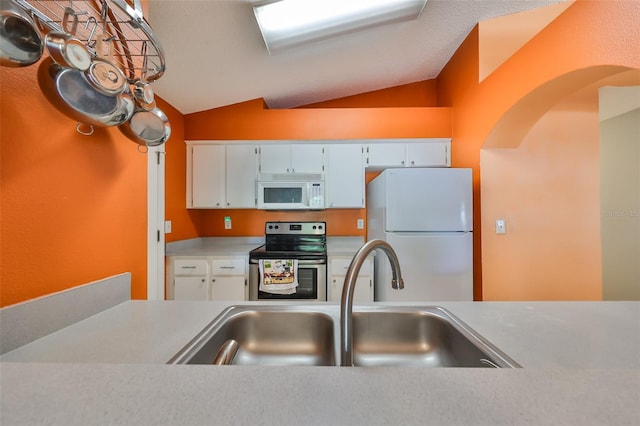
289 335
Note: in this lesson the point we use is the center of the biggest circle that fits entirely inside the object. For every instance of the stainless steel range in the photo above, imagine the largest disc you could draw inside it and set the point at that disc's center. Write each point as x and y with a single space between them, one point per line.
293 253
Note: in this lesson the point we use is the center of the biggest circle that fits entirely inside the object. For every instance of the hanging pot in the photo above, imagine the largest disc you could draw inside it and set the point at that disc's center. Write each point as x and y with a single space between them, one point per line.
150 128
106 77
68 90
145 98
20 40
67 51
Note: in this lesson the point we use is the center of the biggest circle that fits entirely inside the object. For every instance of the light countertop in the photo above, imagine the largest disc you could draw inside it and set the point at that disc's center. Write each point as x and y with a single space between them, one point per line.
581 365
241 246
214 246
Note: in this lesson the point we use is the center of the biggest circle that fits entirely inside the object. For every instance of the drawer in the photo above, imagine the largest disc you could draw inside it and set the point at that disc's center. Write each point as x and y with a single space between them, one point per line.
190 267
231 266
340 267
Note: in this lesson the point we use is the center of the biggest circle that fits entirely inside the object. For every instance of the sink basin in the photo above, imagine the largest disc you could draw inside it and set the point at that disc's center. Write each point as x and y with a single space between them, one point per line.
288 335
270 336
428 337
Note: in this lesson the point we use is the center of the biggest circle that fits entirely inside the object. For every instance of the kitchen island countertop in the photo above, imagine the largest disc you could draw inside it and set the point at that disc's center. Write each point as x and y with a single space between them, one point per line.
581 365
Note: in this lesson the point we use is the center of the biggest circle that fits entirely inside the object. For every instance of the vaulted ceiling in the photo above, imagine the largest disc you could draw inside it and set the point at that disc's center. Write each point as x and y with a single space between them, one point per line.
215 54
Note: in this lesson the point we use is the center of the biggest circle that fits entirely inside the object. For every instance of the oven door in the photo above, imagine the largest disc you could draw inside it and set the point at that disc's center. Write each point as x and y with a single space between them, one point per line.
312 282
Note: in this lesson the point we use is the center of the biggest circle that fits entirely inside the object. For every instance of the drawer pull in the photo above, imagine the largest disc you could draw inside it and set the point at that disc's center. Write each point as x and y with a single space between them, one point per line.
188 267
227 267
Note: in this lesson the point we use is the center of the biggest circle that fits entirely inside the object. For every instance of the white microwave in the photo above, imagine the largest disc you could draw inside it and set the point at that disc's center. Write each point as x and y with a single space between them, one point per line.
291 191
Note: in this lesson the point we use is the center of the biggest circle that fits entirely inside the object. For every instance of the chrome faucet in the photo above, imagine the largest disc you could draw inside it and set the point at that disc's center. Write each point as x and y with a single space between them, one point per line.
346 303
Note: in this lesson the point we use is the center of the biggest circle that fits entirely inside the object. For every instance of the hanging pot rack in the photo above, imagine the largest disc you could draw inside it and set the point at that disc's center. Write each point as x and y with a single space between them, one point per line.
135 48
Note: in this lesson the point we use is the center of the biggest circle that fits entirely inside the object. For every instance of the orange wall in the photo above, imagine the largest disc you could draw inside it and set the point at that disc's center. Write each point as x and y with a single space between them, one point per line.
552 209
73 207
420 94
587 34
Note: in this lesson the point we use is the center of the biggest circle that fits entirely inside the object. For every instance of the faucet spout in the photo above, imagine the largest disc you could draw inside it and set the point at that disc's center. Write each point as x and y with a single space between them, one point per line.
346 303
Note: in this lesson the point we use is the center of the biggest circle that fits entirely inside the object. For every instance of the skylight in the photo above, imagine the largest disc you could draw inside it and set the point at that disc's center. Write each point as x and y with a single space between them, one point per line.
288 23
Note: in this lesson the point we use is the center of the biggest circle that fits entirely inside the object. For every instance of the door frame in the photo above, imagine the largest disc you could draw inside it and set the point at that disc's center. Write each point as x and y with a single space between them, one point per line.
155 223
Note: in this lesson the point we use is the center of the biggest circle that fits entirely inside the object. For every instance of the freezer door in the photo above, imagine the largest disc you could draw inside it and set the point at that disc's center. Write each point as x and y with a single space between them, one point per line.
435 267
429 200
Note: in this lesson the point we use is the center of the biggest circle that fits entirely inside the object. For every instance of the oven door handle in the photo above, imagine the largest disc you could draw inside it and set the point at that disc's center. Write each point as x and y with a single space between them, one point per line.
301 263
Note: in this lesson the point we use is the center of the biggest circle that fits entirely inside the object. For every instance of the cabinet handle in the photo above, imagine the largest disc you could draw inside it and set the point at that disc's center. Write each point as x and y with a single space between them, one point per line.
227 267
202 280
188 267
213 280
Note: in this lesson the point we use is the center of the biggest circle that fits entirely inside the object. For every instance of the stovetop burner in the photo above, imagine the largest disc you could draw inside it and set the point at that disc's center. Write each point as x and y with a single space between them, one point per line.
298 240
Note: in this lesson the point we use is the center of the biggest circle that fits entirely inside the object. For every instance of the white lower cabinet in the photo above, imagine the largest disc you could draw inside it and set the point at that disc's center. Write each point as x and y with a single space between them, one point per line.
338 267
207 278
228 278
191 288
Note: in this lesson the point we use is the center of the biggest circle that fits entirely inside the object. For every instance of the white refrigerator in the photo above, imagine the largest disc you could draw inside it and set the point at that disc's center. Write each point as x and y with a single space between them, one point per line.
426 215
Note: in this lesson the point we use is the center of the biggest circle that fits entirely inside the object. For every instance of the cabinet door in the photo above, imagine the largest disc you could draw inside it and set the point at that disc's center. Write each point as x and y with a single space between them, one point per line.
386 154
307 158
191 288
241 167
207 176
362 294
428 154
345 176
275 158
228 288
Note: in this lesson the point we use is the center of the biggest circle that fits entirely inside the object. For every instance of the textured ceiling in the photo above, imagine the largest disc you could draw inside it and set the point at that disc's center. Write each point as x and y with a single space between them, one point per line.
215 54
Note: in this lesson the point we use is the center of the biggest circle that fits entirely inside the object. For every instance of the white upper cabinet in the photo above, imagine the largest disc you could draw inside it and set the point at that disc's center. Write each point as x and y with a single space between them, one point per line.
427 153
292 158
207 177
386 155
241 165
275 159
345 176
221 176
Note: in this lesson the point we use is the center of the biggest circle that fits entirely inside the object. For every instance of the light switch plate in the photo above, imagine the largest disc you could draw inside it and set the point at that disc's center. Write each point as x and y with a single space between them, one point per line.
501 226
360 224
167 226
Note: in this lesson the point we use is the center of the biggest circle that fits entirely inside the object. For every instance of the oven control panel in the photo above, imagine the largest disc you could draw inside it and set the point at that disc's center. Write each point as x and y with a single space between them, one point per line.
296 228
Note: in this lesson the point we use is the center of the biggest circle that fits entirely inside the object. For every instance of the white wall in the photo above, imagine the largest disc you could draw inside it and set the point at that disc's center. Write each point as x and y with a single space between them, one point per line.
619 109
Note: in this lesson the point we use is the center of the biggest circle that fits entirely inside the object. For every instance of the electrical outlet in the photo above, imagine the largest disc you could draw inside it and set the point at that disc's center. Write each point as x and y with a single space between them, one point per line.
501 226
360 224
167 226
227 222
